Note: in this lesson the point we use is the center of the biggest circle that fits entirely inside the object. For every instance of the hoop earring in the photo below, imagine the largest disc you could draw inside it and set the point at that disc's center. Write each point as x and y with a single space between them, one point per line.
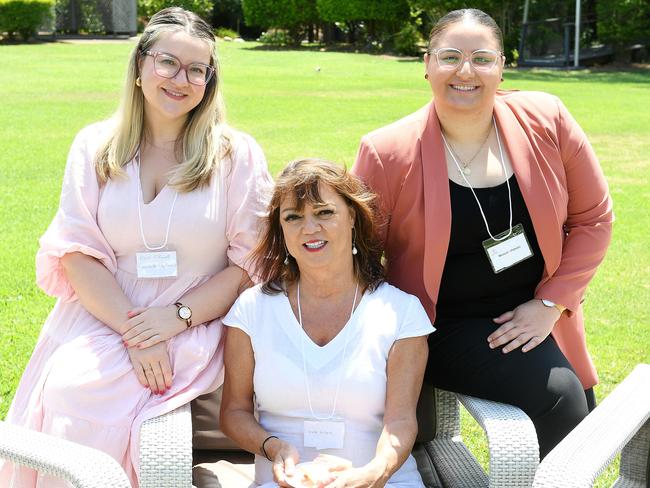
426 76
354 238
138 81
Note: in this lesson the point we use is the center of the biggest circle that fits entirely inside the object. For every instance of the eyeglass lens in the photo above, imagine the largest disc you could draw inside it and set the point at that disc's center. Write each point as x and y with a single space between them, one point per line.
168 66
480 59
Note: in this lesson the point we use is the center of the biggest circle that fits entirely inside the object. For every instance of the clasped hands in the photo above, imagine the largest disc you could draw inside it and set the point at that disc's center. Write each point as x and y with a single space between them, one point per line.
526 326
145 336
327 471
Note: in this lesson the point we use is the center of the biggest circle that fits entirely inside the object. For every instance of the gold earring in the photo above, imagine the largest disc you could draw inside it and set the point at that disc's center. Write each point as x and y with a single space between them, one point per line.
426 76
138 81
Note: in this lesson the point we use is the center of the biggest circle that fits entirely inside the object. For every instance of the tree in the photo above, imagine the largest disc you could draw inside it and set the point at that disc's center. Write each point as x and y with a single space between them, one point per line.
379 16
293 15
623 22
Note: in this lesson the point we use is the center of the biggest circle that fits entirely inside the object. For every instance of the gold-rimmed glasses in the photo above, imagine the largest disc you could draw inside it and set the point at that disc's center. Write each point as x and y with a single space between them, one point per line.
168 66
452 58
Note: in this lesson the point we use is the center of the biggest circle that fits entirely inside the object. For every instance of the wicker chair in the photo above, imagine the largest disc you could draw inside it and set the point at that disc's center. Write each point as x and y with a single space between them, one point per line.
443 460
165 455
82 466
621 423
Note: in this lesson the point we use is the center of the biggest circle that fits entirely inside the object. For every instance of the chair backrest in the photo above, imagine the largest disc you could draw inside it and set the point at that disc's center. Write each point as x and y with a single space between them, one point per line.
206 434
426 414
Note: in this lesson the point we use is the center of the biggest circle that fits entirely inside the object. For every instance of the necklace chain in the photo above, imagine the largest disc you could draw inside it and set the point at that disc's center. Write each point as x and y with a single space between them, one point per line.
466 170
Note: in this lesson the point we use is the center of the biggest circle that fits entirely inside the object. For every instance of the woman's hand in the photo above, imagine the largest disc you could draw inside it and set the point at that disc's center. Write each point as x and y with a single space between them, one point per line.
152 367
149 326
345 476
527 325
284 457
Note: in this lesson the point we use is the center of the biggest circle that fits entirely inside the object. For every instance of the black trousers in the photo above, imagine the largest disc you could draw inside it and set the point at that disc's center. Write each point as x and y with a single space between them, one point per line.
541 382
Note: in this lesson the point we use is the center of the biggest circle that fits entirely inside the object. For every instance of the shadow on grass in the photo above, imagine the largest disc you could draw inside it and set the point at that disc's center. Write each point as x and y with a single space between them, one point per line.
333 48
605 74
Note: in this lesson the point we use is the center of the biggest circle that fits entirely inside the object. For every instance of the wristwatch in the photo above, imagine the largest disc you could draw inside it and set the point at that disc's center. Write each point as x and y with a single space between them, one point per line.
183 312
550 304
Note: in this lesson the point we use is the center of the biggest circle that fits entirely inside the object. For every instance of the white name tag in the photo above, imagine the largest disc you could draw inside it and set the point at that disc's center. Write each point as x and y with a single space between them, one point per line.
324 434
156 264
507 253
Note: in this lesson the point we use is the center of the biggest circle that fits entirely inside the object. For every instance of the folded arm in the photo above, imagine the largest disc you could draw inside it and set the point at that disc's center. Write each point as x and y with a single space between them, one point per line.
148 326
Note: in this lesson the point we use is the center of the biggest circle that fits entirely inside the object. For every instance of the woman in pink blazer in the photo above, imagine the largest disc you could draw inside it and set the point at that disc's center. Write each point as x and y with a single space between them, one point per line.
497 216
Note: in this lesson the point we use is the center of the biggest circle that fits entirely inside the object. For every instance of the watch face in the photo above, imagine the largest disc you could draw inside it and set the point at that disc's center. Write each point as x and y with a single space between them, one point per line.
184 313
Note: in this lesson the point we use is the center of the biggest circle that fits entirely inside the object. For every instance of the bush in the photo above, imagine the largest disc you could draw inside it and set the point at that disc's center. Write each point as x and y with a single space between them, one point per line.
203 8
226 32
24 17
408 40
276 37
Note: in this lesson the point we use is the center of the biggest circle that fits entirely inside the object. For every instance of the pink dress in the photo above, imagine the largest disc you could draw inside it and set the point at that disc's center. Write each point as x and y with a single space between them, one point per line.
79 383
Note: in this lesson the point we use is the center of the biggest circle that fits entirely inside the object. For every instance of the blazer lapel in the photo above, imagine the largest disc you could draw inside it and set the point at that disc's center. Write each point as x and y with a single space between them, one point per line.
532 183
437 208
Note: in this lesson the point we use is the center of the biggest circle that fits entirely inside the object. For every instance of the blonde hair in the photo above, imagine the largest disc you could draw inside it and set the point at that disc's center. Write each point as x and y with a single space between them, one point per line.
205 139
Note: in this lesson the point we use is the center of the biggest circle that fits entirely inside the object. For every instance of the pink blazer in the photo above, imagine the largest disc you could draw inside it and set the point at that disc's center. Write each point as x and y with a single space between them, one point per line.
561 182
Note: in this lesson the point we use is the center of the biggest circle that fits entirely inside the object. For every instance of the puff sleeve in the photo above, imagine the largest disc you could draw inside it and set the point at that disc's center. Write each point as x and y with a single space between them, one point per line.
249 187
74 227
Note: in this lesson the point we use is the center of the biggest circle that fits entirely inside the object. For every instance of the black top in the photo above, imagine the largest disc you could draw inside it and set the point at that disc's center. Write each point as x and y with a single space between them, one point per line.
469 287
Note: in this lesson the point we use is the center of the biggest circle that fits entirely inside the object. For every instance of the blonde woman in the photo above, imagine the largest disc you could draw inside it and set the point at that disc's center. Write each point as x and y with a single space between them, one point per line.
158 210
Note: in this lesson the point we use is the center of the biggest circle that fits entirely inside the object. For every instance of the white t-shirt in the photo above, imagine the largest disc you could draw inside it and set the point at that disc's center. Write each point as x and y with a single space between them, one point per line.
282 350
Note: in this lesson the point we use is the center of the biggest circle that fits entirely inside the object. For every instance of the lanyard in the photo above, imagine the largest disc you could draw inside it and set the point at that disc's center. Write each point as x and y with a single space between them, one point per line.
487 227
169 219
304 362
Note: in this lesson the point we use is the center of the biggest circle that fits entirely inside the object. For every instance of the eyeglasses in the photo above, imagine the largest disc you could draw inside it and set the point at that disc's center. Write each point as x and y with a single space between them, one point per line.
168 66
452 58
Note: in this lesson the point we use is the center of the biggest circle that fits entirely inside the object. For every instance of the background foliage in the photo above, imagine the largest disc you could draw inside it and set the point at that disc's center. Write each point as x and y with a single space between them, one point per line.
24 17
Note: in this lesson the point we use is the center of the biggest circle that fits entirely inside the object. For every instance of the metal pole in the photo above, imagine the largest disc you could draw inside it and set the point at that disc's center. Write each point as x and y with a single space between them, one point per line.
526 11
576 48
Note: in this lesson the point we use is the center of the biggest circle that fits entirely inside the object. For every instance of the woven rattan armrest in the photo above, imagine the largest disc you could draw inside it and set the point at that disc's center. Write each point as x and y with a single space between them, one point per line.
81 466
166 450
512 441
621 421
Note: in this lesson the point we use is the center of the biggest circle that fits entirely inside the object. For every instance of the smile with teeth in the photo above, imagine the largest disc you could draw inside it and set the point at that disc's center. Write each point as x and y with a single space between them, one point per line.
173 93
465 88
314 245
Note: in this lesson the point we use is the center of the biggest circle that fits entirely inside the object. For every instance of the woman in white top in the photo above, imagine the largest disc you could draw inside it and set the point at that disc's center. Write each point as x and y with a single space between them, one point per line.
329 356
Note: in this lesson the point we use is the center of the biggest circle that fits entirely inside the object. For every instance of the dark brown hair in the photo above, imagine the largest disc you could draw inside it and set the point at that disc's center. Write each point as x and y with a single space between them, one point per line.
301 179
465 14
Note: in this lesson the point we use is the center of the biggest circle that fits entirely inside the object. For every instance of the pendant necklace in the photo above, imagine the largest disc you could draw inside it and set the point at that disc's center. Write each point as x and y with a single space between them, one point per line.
465 169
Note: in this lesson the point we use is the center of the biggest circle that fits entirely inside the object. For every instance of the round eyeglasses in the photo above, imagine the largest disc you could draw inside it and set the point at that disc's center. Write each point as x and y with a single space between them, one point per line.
452 58
168 66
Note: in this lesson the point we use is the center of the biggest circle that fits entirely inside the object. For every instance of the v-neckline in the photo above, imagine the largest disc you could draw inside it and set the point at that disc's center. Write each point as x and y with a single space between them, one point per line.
139 184
303 334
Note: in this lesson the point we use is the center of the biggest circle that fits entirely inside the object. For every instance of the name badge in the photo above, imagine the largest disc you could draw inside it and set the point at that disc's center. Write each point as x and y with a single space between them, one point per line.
156 264
324 434
505 254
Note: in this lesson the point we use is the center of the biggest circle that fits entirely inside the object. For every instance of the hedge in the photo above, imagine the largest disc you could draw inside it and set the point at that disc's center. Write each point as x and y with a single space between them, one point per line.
24 17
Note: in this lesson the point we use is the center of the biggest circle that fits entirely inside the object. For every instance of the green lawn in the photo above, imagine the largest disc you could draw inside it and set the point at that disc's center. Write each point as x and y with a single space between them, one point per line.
298 104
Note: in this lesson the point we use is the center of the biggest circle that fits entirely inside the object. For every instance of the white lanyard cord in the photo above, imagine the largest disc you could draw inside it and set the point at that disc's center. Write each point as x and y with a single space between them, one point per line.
304 362
169 219
487 227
